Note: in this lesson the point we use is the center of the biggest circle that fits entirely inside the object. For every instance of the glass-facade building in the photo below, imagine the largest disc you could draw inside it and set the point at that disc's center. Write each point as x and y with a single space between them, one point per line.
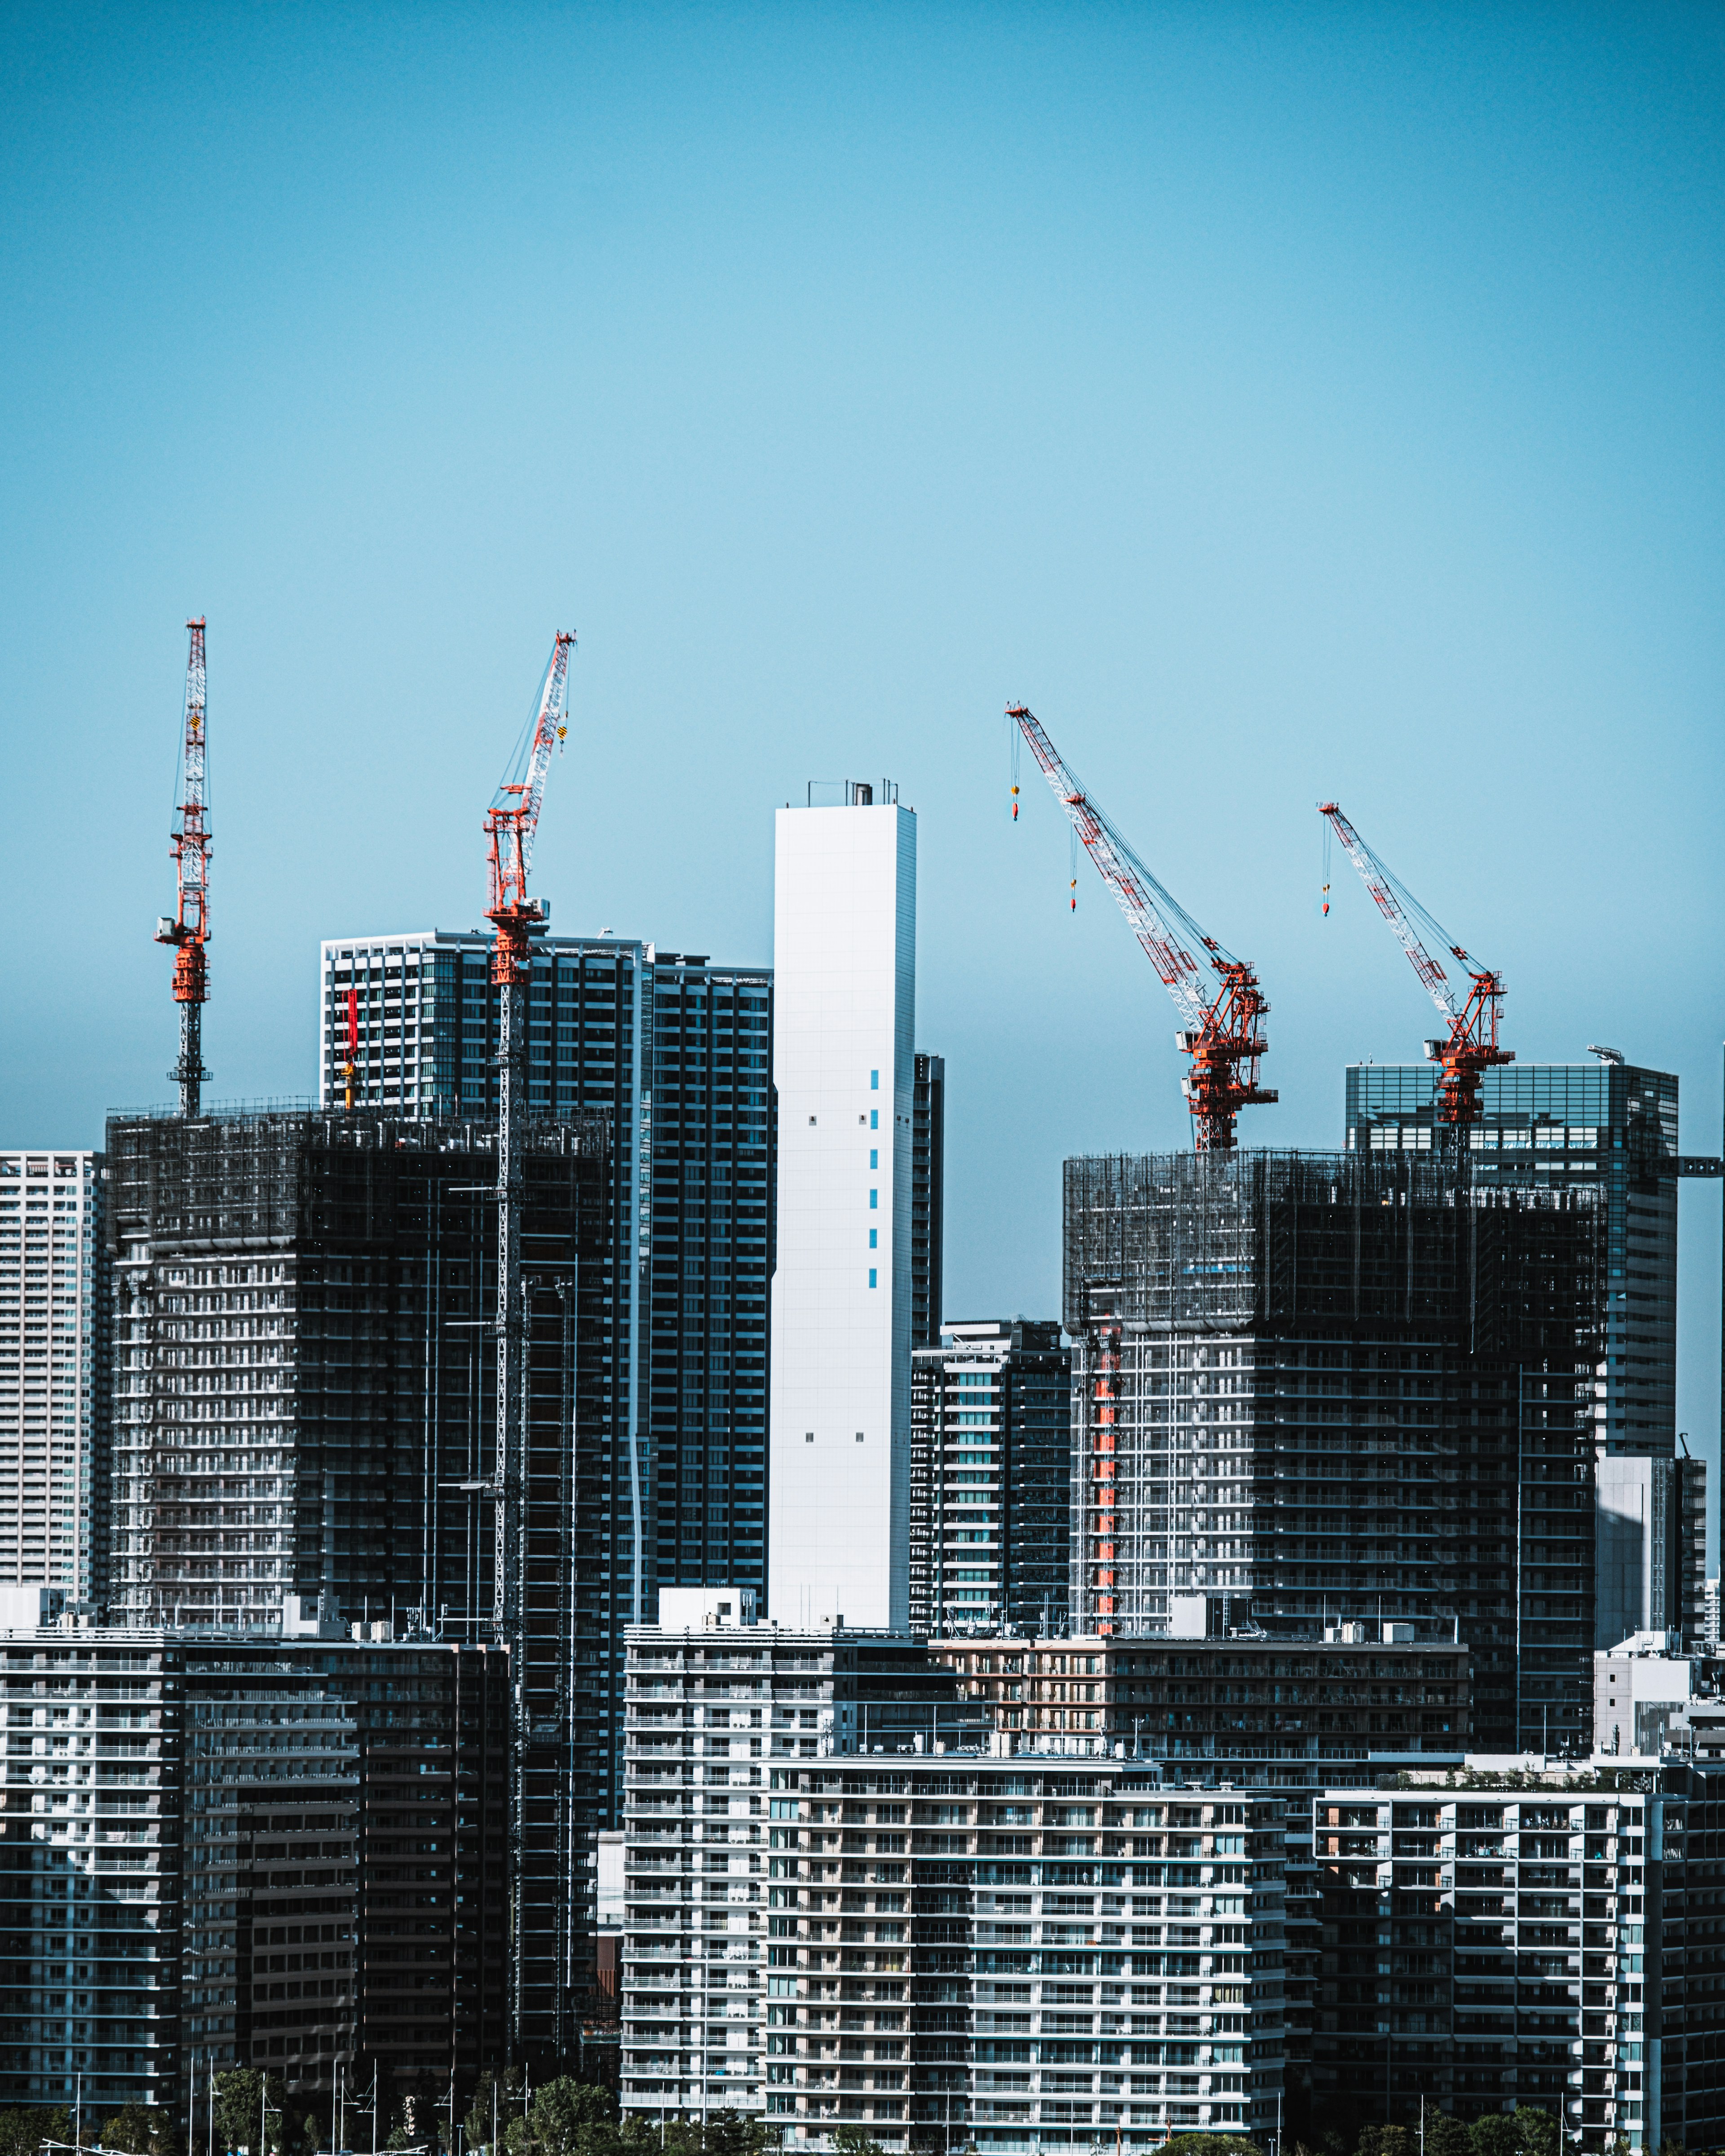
991 1453
1606 1126
677 1054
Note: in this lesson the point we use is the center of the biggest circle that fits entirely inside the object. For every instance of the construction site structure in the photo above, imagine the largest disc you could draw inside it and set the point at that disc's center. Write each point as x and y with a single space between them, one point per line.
1222 1029
1470 1048
186 930
1318 1388
306 1409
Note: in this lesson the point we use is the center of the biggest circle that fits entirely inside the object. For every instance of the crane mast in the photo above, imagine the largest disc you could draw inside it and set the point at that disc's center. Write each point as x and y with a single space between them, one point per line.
187 931
1470 1047
511 824
1216 995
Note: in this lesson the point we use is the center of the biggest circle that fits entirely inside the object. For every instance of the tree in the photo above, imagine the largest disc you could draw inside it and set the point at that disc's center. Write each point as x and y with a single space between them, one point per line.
1209 2144
1388 2141
22 2132
247 2104
1536 2131
1493 2135
1446 2135
141 2131
737 2134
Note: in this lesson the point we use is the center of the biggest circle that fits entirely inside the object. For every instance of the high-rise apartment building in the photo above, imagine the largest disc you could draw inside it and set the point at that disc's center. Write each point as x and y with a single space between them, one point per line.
844 980
677 1055
307 1407
1325 1387
221 1850
1006 1953
1603 1127
928 1185
991 1462
53 1372
1528 1935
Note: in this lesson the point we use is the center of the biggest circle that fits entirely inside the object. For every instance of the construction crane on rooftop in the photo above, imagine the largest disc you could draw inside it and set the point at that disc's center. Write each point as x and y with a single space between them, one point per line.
511 824
186 930
1470 1047
1223 1031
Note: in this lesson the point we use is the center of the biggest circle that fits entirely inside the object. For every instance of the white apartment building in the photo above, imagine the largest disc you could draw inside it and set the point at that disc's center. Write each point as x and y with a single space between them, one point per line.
845 969
840 1945
54 1326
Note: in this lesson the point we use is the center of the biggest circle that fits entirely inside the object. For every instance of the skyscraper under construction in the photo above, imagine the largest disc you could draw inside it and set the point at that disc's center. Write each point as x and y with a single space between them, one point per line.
304 1404
1333 1387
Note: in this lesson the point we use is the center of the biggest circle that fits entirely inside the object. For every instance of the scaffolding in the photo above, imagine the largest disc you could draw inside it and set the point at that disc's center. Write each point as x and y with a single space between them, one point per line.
308 1302
1327 1386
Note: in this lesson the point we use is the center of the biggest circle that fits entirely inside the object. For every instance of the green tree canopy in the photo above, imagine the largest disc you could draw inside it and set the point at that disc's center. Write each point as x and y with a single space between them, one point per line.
22 2132
1446 2136
1494 2134
1536 2131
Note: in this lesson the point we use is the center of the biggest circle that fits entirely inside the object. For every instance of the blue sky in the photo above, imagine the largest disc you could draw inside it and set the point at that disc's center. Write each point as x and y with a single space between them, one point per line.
1282 402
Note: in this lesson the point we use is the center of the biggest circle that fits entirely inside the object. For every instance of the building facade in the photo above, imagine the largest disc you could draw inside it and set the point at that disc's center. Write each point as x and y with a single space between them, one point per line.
676 1056
929 1184
844 976
1541 1937
1310 1389
53 1372
306 1404
990 1477
1003 1953
212 1854
1603 1126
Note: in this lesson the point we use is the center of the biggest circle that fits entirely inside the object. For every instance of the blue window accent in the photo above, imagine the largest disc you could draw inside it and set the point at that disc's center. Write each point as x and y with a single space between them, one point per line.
874 1201
874 1157
871 1277
874 1119
873 1081
874 1239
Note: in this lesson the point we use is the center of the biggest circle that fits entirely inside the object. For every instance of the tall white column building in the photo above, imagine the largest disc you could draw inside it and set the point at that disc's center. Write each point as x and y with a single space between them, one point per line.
845 971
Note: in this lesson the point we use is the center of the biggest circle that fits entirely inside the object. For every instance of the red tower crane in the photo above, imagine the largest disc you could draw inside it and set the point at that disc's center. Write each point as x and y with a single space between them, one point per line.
511 824
187 929
1470 1048
1223 1032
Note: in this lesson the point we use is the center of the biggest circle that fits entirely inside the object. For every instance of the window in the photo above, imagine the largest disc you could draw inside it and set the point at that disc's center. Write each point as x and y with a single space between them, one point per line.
874 1119
859 1437
874 1201
874 1158
873 1081
874 1239
871 1277
808 1437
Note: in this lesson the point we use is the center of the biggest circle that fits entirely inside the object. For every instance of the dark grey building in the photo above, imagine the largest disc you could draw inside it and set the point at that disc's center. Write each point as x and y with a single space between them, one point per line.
928 1181
991 1454
1323 1388
305 1406
1602 1127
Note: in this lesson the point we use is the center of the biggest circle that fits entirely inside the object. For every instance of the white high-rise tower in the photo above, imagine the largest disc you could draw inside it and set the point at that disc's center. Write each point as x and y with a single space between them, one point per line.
845 973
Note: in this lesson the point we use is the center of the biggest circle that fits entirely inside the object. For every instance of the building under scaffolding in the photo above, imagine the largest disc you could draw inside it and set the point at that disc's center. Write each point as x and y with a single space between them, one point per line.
305 1405
1318 1387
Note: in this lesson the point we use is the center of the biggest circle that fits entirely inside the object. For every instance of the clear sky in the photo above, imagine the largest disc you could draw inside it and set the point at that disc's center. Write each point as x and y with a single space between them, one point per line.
1283 402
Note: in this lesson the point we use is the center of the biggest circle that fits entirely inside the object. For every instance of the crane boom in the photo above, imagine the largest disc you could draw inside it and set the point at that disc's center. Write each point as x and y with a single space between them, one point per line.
1223 1034
1470 1048
186 930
